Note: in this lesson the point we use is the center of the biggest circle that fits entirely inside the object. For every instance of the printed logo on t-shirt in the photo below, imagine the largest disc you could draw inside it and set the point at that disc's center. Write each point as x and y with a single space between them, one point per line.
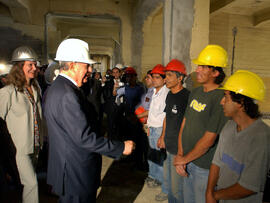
174 109
197 106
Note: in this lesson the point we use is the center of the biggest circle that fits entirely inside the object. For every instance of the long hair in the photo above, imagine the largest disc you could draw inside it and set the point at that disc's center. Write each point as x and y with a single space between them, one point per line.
219 79
251 109
17 78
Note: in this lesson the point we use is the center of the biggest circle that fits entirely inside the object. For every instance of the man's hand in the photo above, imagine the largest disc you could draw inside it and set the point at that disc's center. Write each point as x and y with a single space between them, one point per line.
129 147
104 79
210 197
160 142
179 167
181 170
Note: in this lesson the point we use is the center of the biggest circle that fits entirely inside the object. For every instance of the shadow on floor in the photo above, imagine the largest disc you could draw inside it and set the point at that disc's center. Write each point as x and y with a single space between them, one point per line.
121 184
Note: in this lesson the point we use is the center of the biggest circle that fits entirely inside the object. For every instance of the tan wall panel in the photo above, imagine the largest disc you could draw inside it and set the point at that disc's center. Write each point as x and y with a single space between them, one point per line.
265 106
152 47
252 47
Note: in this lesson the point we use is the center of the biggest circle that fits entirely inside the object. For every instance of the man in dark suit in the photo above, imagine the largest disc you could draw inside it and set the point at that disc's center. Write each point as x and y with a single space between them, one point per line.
111 84
74 164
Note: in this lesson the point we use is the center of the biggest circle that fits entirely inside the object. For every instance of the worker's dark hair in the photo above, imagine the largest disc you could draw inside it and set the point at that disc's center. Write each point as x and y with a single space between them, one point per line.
251 109
149 72
161 75
116 69
219 79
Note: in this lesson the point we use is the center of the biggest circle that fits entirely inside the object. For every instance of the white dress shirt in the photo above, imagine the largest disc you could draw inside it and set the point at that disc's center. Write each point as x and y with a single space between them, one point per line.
156 112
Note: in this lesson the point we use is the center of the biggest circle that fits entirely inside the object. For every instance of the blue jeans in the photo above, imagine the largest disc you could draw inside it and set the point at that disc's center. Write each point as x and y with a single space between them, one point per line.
195 184
173 181
155 170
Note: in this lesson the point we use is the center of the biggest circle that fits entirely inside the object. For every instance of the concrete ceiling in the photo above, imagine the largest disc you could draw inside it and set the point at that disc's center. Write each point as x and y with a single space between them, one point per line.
259 10
19 10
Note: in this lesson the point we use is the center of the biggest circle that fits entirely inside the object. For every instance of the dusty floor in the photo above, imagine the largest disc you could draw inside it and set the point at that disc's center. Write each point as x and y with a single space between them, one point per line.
120 184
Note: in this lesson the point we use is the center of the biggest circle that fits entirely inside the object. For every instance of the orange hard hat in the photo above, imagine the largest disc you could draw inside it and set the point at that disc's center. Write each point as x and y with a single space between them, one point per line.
130 70
138 111
158 69
176 65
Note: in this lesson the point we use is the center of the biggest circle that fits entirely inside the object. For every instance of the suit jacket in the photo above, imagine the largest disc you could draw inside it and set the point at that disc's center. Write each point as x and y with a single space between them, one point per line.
17 111
74 164
7 163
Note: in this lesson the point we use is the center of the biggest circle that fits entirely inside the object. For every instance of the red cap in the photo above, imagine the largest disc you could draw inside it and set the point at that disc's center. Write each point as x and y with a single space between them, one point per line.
158 69
130 70
176 65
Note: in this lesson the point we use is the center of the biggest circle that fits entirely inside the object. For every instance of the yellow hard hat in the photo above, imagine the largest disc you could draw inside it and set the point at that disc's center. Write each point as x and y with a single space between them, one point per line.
246 83
212 55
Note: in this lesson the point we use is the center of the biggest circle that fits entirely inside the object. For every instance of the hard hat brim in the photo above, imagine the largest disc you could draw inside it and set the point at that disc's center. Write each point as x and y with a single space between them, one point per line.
200 63
90 61
197 62
252 96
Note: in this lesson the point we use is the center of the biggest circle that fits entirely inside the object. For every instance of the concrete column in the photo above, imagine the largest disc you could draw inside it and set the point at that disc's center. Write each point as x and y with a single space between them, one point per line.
186 30
178 22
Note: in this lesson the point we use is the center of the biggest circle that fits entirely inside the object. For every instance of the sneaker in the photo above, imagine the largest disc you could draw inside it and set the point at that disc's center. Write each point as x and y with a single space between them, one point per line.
161 197
154 184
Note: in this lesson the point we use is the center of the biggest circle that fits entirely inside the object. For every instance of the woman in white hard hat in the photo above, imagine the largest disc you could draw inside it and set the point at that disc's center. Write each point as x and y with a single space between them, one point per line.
20 107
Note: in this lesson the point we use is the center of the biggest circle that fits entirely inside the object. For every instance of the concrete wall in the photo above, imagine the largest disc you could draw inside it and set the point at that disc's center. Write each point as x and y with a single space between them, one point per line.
34 28
152 37
143 9
200 29
116 9
252 46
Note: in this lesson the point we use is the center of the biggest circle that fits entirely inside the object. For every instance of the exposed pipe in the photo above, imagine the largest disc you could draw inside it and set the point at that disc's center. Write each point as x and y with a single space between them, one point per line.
234 31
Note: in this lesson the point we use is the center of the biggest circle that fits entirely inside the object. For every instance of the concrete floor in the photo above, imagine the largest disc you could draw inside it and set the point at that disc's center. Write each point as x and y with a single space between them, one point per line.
120 184
123 184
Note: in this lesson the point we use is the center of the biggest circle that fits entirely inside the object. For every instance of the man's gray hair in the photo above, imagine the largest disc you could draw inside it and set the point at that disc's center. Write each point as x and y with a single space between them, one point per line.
63 65
178 75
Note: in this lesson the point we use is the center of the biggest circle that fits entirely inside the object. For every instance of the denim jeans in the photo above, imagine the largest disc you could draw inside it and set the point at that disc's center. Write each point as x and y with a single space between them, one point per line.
155 170
194 186
173 181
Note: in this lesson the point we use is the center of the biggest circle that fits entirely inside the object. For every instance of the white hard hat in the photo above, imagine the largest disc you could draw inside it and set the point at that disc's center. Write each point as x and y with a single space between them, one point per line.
119 65
5 69
73 50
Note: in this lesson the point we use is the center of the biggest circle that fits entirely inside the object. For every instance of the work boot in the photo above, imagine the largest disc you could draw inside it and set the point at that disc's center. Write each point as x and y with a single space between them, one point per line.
161 197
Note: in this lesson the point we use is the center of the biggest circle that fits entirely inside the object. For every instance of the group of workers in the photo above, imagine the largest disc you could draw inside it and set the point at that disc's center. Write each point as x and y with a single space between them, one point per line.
217 146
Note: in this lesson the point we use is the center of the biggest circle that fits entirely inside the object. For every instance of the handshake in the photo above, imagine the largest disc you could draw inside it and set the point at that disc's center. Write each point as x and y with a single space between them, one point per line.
129 147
